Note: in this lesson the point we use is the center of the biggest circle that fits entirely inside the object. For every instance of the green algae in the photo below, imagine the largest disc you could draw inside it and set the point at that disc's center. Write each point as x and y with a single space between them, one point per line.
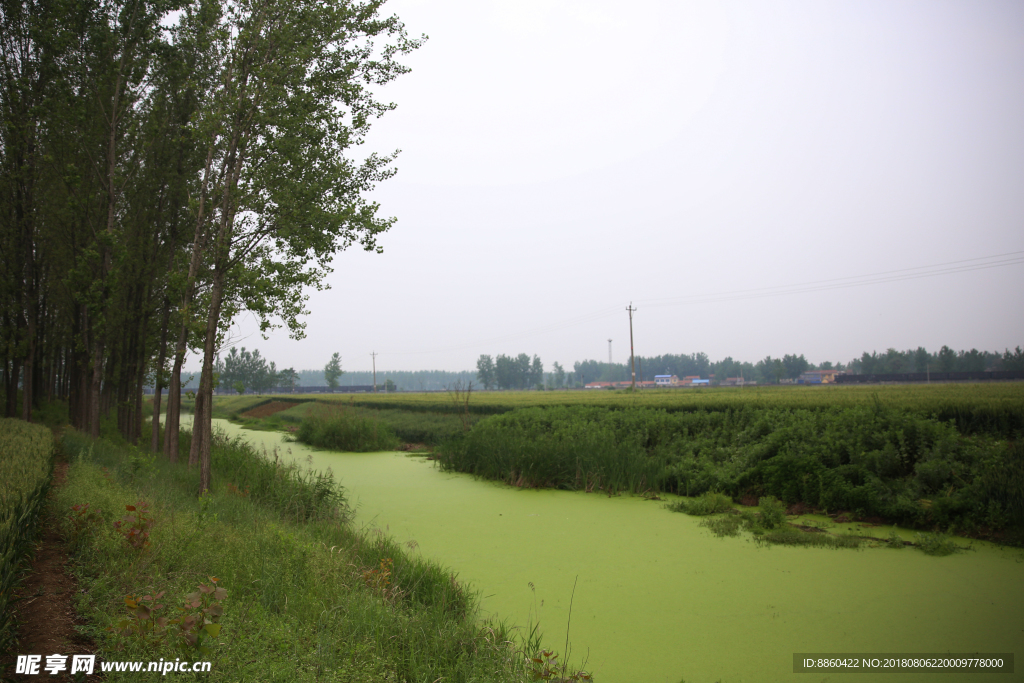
661 599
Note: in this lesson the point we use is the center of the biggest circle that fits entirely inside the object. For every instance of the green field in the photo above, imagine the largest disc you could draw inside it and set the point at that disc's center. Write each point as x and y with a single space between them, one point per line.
975 408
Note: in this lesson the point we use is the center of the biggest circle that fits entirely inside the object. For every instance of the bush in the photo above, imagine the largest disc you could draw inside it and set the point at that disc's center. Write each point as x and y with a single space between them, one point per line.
709 503
773 512
337 429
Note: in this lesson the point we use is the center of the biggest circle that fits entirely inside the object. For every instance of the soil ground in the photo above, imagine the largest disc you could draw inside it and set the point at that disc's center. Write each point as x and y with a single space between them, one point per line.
268 409
45 609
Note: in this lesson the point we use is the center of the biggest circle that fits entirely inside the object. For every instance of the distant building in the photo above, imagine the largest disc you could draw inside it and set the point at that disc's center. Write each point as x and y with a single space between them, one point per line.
818 377
598 385
666 381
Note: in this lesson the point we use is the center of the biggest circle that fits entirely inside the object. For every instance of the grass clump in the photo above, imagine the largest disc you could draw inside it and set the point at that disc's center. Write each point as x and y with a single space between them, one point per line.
337 429
937 544
710 503
240 579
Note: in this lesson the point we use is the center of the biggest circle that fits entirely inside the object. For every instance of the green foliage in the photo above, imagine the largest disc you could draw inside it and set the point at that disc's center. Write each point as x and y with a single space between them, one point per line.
26 463
708 503
332 371
876 459
787 535
134 526
338 429
773 512
938 544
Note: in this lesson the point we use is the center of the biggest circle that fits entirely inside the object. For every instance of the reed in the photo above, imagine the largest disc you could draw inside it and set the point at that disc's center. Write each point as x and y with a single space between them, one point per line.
338 429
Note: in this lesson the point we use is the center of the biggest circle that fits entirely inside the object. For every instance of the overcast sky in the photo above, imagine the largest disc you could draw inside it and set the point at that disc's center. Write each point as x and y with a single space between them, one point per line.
739 171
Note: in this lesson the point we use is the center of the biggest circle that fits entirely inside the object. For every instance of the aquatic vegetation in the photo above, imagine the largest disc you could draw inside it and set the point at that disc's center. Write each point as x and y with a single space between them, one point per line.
727 525
708 503
938 544
788 535
876 460
337 429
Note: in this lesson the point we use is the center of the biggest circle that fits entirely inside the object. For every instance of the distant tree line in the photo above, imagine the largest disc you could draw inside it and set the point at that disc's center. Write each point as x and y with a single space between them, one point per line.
944 360
244 371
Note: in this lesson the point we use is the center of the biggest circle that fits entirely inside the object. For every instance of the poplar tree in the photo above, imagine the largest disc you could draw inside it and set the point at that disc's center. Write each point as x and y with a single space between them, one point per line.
294 95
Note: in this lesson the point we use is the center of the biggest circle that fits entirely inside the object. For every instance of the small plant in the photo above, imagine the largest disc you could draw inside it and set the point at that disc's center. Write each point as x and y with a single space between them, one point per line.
544 666
773 512
82 516
141 624
893 539
235 491
200 615
135 525
379 580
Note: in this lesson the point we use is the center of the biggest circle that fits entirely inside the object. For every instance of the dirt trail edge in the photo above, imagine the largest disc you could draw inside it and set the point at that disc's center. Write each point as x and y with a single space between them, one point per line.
45 608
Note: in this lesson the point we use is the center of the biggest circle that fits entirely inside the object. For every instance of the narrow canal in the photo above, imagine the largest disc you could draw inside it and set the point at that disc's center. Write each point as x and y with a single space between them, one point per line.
659 599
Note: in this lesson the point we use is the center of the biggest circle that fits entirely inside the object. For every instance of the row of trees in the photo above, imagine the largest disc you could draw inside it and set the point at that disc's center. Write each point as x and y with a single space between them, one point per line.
768 370
165 165
944 360
508 372
245 370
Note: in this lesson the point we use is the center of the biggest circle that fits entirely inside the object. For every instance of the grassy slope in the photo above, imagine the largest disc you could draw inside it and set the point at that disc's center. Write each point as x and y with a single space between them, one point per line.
306 600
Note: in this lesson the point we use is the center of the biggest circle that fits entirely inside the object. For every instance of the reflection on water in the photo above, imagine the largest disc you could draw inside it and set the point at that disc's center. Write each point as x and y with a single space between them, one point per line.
660 599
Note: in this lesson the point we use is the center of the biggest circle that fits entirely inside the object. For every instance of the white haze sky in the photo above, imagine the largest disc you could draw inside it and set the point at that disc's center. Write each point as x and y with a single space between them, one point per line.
561 159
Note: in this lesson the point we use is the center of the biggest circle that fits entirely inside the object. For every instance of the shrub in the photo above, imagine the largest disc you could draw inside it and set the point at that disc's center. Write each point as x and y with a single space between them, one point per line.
710 503
337 429
773 512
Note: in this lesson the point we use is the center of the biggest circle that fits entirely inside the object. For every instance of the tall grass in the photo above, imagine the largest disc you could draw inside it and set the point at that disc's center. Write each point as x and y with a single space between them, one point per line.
312 600
338 429
26 465
871 460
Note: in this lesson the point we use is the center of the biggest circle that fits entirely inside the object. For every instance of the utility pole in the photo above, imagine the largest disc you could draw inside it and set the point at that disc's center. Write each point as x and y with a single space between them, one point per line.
374 354
632 358
609 352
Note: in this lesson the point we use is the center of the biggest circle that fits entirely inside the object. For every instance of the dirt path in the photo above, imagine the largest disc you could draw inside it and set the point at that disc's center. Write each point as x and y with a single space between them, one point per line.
46 607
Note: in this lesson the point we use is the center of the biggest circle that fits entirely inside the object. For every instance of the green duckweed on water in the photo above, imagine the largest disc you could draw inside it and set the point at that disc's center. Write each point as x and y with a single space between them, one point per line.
659 597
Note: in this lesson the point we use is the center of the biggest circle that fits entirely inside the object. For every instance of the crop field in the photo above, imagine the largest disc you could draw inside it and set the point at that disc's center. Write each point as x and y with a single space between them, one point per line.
977 407
26 460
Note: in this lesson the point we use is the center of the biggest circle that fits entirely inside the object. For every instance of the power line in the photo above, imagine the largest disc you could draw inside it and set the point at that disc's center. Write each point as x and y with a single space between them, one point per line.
917 272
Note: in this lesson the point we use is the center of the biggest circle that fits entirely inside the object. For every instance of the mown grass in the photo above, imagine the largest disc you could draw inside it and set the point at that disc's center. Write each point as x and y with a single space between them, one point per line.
308 597
872 460
26 464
